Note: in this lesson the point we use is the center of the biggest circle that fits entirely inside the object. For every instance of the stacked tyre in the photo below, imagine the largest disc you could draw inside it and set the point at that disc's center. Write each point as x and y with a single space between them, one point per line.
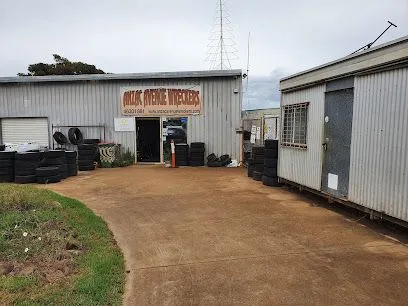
213 161
25 165
197 150
270 175
6 167
251 166
72 163
258 163
48 174
58 159
182 153
87 154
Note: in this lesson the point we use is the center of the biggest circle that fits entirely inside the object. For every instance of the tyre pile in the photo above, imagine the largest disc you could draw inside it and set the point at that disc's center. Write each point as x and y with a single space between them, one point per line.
256 163
214 161
6 167
270 173
54 159
182 153
197 150
25 166
72 163
87 154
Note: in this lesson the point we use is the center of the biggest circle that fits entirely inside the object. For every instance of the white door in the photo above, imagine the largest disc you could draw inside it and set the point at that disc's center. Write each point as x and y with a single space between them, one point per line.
20 130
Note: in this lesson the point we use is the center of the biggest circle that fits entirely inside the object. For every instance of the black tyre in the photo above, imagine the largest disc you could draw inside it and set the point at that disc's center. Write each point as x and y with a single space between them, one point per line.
72 171
257 176
257 150
250 161
194 163
215 163
271 153
211 157
87 147
270 181
197 150
60 138
7 155
250 171
71 154
91 141
182 163
271 162
32 156
49 179
258 167
8 178
226 162
199 155
197 145
25 179
85 163
87 154
25 171
197 160
271 144
259 159
75 136
224 157
86 168
7 171
55 161
6 163
54 154
270 172
47 171
62 167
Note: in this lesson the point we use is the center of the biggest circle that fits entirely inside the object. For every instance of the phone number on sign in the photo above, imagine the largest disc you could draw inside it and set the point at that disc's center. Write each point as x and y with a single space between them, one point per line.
133 111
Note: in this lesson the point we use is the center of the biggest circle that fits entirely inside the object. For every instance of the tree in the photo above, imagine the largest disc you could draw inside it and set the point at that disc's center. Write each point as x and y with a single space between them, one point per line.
62 66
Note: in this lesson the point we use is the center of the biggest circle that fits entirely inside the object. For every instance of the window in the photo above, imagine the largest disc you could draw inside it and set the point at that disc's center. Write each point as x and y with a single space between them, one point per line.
294 132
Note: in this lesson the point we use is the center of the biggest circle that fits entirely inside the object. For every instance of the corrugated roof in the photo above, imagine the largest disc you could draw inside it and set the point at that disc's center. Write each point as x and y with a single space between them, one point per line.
349 57
124 76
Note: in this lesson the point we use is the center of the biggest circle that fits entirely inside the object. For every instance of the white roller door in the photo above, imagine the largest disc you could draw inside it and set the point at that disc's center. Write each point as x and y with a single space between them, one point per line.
21 130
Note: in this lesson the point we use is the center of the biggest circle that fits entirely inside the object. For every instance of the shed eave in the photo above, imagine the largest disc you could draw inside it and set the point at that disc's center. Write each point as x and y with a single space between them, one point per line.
124 76
391 52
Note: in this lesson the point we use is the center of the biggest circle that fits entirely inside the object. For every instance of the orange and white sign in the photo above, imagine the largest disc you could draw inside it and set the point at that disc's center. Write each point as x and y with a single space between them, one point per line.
180 100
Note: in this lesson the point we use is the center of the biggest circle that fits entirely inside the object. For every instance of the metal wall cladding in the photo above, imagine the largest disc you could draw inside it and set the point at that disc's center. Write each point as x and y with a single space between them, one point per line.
379 145
304 166
98 103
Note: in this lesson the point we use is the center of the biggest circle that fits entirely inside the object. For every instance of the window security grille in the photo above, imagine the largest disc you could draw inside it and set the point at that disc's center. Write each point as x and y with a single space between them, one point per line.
294 131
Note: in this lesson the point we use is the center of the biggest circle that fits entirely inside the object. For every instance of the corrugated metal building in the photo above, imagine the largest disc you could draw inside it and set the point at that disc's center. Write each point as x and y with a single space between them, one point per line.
92 102
345 130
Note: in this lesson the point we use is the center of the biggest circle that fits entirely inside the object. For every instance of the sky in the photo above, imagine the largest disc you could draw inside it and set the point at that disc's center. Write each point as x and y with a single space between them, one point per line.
121 36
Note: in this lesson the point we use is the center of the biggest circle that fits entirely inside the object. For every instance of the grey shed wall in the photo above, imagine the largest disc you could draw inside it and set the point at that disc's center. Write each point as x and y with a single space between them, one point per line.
379 143
98 102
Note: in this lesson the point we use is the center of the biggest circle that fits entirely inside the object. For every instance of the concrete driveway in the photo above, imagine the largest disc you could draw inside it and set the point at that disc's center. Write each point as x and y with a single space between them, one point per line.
202 236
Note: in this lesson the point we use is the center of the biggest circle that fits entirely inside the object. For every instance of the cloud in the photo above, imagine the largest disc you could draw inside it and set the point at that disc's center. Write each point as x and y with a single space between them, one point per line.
263 91
160 35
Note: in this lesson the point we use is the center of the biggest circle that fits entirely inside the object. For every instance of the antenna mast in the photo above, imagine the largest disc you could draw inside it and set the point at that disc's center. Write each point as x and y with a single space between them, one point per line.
221 46
368 46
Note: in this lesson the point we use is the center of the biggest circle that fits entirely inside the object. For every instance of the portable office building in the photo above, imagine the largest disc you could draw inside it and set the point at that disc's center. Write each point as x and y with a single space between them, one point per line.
345 130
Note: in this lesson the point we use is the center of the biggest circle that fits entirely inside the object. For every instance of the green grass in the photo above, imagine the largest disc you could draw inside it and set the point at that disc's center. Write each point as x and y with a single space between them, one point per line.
51 221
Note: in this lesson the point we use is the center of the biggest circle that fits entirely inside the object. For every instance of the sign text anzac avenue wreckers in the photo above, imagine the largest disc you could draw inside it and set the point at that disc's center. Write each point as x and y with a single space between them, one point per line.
180 100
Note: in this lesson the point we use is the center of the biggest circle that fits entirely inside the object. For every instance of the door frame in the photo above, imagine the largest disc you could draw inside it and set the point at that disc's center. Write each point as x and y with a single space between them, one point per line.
160 119
333 86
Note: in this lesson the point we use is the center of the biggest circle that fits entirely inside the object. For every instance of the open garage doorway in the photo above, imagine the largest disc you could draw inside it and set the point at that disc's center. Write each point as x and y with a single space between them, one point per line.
148 140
